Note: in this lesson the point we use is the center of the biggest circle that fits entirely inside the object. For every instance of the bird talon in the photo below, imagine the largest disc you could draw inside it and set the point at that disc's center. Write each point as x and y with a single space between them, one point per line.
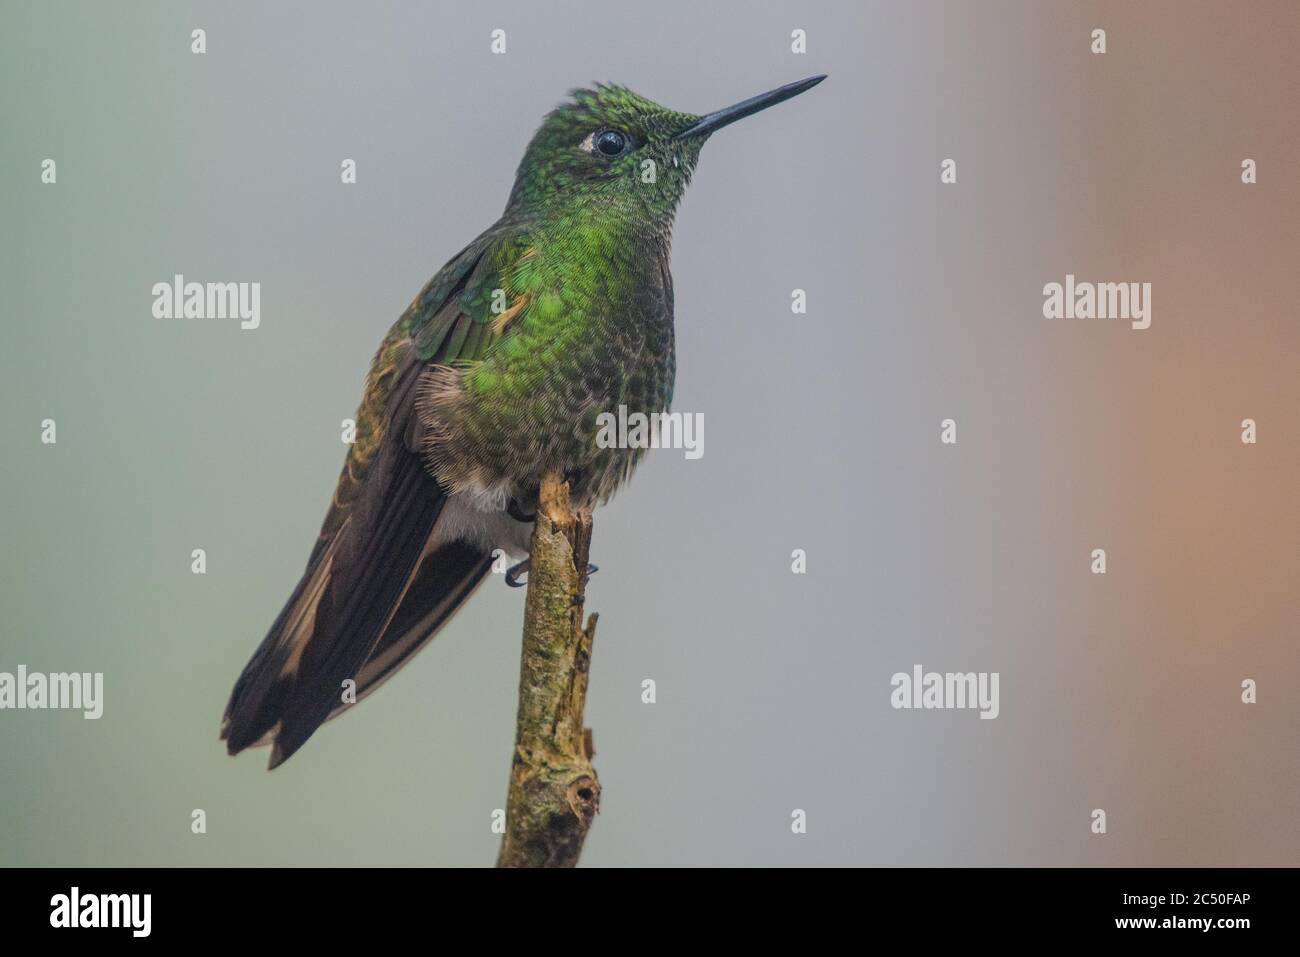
513 573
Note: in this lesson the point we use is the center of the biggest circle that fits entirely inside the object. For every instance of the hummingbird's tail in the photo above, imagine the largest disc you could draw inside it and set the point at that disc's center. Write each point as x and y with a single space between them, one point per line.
295 680
374 592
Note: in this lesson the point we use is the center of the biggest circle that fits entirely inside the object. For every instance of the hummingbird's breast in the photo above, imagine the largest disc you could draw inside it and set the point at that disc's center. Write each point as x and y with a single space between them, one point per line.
591 332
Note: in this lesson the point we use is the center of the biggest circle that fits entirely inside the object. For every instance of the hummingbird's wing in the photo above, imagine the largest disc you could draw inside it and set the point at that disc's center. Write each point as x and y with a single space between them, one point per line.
379 582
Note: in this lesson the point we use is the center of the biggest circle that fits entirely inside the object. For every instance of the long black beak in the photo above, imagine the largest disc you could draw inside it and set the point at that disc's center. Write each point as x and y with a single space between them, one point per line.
715 121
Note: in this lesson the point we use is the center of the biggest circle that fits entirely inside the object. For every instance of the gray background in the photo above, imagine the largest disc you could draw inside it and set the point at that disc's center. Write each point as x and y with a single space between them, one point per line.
1118 692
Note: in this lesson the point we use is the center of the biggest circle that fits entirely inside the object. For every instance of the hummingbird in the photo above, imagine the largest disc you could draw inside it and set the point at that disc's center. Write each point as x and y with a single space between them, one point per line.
495 375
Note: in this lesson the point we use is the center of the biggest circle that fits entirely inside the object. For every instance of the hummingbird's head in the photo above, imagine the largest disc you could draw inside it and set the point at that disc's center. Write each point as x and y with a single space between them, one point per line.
612 147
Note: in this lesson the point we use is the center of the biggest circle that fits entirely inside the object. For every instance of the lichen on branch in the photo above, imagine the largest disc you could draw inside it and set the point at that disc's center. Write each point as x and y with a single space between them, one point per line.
554 794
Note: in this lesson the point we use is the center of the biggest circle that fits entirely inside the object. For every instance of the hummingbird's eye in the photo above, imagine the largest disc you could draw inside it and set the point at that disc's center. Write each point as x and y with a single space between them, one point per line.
610 142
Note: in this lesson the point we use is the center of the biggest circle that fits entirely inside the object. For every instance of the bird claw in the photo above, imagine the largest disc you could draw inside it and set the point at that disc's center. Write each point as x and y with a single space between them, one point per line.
513 573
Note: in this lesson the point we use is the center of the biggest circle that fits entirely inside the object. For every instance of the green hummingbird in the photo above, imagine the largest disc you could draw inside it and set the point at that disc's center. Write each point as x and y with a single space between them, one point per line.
493 376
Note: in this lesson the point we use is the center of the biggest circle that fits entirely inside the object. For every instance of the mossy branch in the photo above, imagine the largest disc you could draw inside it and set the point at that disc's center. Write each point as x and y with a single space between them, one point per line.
554 794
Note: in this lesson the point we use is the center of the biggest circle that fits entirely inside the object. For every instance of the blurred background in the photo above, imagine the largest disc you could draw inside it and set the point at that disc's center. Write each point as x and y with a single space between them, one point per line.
1119 692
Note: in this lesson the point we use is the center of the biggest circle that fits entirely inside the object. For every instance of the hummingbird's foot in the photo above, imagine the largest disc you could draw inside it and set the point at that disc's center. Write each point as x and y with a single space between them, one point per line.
513 573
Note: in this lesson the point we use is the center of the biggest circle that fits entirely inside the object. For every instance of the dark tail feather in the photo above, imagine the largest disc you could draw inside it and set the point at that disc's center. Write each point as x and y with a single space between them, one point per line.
355 609
356 585
448 575
258 698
